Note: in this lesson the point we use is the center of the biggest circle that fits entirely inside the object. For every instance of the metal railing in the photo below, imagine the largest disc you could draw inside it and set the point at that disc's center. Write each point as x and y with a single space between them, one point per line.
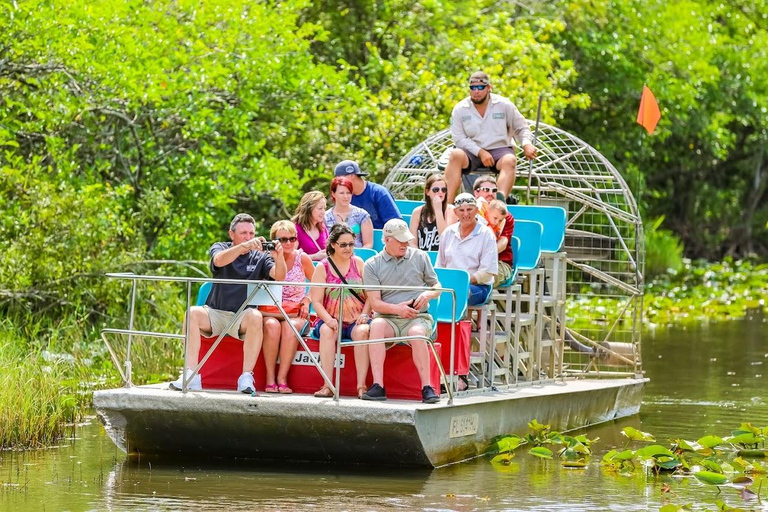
125 368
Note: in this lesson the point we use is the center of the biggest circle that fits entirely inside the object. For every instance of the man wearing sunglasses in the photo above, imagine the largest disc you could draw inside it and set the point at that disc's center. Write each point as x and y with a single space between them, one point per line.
483 126
242 258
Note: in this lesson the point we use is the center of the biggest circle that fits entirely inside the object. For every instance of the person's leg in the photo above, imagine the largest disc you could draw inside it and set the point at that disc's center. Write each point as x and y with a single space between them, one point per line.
361 332
251 327
477 294
271 347
507 166
377 352
457 161
420 353
288 345
328 338
198 322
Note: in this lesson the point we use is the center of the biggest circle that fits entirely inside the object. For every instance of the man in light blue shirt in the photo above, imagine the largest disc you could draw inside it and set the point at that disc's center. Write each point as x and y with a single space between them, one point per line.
371 197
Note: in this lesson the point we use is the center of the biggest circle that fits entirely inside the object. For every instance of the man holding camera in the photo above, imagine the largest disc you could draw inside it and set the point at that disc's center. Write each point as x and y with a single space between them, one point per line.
242 258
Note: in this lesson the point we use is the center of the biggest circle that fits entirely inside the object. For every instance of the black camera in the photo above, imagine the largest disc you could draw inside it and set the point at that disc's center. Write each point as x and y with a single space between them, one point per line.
270 245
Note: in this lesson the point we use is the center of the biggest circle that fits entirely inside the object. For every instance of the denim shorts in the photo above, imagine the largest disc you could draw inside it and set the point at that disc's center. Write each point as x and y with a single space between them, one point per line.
346 331
478 294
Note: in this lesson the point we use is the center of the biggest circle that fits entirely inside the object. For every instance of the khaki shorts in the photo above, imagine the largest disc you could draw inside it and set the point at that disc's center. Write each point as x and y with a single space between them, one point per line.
220 319
505 271
402 325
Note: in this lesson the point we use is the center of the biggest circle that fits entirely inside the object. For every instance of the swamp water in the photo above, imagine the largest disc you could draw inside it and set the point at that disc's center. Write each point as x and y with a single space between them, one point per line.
705 379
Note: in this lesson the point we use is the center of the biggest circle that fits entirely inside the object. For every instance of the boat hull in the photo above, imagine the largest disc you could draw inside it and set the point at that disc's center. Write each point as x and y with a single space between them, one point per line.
156 420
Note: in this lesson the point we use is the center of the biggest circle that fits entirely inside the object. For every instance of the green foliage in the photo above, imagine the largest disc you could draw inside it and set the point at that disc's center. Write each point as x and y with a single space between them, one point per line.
663 250
699 292
704 168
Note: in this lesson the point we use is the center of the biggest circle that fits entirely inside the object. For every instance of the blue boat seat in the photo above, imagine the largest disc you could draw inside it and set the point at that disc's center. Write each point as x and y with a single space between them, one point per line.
551 294
365 253
406 206
202 294
378 240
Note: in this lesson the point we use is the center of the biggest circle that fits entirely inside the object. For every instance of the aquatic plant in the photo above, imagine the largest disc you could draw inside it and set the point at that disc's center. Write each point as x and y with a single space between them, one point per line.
699 291
573 451
712 460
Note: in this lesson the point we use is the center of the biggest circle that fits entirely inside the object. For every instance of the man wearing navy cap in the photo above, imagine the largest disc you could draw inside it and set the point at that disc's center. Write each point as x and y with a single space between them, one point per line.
371 197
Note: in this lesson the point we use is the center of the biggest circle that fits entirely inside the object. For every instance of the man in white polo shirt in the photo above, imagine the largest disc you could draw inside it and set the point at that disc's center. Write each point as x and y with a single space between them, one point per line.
471 246
483 126
400 312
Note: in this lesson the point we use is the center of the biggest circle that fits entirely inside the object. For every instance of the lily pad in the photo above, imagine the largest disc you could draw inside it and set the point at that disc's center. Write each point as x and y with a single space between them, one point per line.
710 441
655 450
711 478
636 435
541 452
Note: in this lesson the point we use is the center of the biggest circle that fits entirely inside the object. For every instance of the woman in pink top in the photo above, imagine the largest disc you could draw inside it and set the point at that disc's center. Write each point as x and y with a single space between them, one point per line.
356 307
278 335
310 225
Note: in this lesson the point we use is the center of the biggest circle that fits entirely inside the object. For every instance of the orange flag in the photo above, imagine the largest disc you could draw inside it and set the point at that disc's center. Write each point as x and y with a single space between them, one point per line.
649 113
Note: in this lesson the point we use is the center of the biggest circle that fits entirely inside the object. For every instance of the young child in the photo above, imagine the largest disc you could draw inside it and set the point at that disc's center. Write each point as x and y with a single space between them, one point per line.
502 224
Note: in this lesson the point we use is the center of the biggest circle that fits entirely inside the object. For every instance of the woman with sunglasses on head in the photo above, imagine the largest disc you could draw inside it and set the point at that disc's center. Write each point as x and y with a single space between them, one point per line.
341 261
344 211
310 224
279 338
430 220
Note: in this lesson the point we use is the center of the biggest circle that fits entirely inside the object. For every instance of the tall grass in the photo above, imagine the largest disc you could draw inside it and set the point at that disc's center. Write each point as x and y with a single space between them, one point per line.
38 399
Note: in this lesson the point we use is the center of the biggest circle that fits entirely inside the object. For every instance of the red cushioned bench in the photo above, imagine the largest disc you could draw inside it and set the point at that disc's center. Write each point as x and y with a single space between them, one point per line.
461 343
400 377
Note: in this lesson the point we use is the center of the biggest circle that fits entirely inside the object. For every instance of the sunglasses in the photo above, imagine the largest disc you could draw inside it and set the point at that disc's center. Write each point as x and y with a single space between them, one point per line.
345 245
286 240
460 202
477 87
488 189
439 189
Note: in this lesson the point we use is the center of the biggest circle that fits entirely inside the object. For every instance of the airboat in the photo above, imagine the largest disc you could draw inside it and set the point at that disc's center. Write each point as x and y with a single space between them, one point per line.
561 344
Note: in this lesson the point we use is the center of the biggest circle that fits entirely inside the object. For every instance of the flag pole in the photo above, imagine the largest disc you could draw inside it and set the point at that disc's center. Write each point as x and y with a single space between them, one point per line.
530 161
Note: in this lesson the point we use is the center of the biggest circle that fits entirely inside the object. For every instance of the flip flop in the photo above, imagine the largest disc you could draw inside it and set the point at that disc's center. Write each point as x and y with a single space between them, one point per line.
283 389
361 390
272 388
324 392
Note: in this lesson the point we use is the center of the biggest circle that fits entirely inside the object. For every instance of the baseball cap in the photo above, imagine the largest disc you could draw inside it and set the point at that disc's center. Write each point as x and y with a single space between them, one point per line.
479 77
464 198
398 229
348 168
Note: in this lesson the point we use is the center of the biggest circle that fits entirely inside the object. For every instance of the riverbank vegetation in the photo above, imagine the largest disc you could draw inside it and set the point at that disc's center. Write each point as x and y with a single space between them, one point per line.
133 132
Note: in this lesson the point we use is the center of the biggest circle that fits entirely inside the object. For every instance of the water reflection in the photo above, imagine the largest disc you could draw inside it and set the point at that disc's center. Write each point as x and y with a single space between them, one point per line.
704 380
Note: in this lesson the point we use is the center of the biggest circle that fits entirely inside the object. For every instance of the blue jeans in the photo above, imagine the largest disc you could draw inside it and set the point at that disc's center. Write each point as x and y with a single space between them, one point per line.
478 294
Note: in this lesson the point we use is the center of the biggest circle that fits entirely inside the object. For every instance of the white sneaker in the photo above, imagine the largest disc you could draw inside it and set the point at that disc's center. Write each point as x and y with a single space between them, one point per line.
245 383
196 384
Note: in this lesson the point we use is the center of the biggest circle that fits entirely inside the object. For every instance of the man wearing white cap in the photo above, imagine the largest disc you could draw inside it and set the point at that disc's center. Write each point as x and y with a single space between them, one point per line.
483 126
400 312
371 197
471 246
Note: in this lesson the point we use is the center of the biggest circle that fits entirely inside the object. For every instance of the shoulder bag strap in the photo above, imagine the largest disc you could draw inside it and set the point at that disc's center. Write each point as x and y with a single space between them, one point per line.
353 292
